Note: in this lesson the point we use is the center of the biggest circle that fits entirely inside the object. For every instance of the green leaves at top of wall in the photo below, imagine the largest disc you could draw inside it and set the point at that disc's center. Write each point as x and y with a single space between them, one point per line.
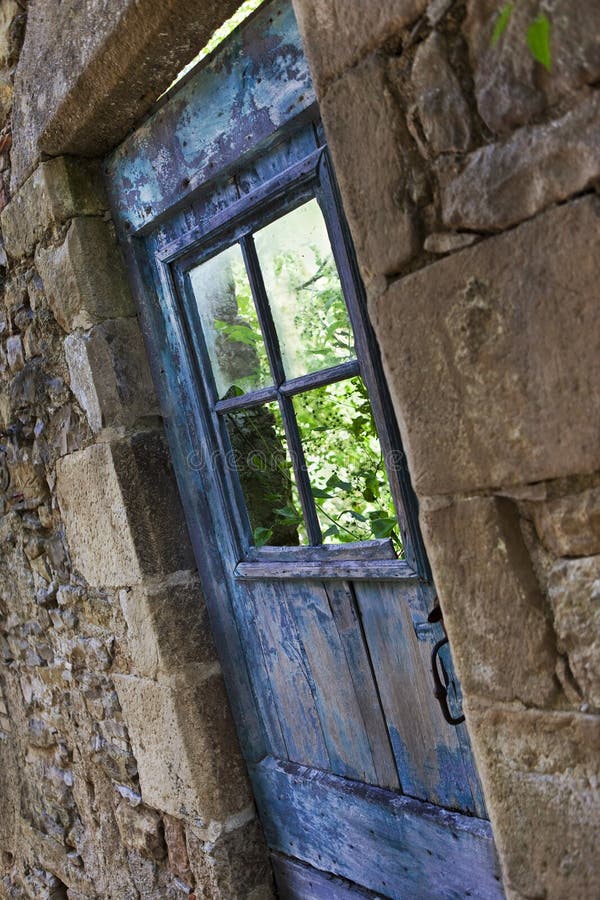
538 34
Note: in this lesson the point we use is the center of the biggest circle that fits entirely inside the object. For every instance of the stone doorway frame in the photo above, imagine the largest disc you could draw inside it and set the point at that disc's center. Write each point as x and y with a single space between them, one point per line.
506 656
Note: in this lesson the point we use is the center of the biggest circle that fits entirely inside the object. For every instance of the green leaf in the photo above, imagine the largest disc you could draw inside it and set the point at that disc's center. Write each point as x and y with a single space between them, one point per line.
383 528
261 536
333 529
502 23
538 41
321 493
289 515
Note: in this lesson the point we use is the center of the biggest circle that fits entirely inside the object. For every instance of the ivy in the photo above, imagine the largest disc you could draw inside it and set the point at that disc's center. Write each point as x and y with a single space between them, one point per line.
538 34
538 41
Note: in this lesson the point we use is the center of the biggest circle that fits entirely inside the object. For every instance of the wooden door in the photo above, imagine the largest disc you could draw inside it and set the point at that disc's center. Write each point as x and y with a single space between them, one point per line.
298 499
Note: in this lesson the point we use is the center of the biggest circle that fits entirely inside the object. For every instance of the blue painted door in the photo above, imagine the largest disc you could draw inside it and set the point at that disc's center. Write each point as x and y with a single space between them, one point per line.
294 482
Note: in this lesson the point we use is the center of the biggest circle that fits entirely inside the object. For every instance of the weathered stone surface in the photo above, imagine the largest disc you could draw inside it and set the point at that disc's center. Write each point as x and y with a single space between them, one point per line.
186 749
179 862
122 512
84 278
375 178
109 373
110 60
541 773
234 867
511 87
448 241
363 24
492 411
168 631
502 184
442 107
57 190
574 592
570 526
141 829
486 583
9 10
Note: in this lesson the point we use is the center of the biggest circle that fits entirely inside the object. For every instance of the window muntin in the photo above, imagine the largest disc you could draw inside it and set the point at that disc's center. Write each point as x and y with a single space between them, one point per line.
297 327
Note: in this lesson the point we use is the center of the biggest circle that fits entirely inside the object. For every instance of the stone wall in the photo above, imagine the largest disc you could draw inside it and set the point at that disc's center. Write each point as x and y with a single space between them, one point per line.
469 175
120 773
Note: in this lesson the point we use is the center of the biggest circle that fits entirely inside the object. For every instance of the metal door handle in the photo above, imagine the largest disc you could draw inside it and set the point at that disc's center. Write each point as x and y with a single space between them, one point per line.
441 690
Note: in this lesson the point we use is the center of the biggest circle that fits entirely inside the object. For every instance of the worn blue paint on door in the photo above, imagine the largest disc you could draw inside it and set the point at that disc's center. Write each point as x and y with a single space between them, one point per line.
362 787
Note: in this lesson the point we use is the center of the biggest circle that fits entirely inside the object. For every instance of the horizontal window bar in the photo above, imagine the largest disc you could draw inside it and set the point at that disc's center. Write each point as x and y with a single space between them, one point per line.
350 570
320 379
246 401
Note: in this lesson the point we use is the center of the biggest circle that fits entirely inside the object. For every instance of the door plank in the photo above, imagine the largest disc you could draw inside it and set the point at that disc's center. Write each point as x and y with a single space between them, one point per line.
343 608
288 672
339 710
393 845
297 881
427 749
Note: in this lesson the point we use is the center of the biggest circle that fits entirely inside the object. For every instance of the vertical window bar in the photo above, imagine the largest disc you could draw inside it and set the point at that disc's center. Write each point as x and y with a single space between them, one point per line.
288 414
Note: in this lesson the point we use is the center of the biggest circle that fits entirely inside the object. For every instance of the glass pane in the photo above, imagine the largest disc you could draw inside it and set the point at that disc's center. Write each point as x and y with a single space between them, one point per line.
345 463
265 471
230 324
304 291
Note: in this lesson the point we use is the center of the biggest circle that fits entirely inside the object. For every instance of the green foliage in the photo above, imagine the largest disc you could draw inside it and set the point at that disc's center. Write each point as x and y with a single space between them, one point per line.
538 34
502 22
538 41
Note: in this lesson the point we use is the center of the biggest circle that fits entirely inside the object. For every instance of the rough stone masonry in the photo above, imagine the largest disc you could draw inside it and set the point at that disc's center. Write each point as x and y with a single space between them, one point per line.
469 175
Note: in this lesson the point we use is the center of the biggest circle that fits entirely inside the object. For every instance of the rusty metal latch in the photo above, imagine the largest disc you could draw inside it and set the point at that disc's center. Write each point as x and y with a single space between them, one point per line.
441 686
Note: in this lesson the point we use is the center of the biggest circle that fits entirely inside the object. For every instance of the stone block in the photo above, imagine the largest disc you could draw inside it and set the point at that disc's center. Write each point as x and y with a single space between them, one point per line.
122 513
497 620
179 862
442 107
574 592
109 373
337 33
503 184
511 88
110 60
9 10
186 749
141 829
494 381
570 526
541 774
374 175
84 278
168 631
234 867
56 191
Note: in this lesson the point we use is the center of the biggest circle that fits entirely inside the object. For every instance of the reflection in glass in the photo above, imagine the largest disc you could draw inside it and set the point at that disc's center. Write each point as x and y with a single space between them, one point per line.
230 324
304 291
265 471
345 463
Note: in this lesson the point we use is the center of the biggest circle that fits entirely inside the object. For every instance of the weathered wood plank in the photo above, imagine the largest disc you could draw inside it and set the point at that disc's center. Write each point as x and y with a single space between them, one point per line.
346 570
289 678
427 749
223 112
297 881
393 845
379 548
343 608
344 729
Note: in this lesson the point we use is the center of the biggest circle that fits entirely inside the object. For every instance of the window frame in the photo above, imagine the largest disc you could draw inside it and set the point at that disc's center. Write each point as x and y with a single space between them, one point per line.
311 178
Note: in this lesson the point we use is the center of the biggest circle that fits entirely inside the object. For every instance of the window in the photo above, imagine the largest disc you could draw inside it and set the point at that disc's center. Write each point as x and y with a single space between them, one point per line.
268 298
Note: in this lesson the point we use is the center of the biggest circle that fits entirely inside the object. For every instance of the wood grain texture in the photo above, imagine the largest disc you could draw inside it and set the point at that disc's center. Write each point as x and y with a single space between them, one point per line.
428 752
297 881
215 119
396 846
